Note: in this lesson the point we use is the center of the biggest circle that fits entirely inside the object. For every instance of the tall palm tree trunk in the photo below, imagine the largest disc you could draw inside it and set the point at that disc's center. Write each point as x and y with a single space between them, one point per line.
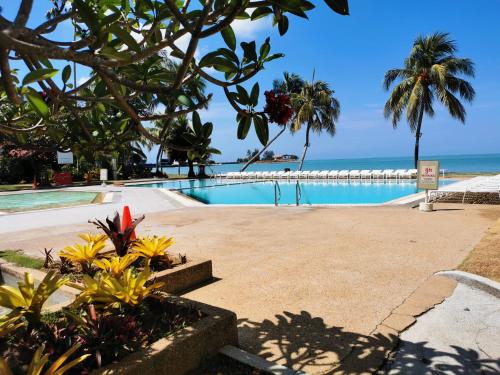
191 173
418 134
255 157
306 146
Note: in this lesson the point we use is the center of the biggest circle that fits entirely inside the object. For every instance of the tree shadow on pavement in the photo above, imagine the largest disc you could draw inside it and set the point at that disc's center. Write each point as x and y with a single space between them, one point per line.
305 343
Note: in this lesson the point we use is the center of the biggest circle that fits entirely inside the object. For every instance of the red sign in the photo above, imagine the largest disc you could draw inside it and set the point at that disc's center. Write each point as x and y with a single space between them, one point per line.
63 178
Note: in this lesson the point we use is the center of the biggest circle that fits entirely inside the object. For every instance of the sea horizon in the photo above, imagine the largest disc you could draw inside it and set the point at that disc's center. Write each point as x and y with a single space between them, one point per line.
451 163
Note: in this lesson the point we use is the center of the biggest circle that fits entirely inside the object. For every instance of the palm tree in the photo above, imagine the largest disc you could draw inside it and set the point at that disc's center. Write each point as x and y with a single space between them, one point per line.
431 70
315 107
290 84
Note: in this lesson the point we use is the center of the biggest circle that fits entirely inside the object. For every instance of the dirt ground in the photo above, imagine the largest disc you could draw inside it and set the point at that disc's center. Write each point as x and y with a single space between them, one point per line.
309 284
484 259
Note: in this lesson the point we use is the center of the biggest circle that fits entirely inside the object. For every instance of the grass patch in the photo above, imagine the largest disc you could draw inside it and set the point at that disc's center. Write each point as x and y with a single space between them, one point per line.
15 187
484 259
18 258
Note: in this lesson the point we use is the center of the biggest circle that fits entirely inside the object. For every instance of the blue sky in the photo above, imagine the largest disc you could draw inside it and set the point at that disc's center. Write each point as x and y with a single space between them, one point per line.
352 54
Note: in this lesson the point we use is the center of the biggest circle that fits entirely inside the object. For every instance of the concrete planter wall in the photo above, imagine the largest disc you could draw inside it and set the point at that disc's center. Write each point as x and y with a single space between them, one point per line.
184 350
185 276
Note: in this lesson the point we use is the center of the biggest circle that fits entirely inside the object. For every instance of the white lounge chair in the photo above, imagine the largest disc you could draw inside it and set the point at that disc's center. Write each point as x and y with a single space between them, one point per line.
314 174
333 174
355 173
295 175
389 173
400 172
267 175
323 174
413 173
305 174
365 173
405 174
277 174
344 173
377 173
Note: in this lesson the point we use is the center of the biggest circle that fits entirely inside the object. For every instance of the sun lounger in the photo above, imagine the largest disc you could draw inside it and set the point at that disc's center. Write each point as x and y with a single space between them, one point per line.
355 173
377 173
304 174
323 174
404 174
314 174
365 173
267 175
344 173
399 172
295 175
389 173
333 174
287 174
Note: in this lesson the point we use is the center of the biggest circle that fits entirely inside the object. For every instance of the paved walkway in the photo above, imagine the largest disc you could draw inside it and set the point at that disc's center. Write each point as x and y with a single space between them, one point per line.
308 284
141 200
459 336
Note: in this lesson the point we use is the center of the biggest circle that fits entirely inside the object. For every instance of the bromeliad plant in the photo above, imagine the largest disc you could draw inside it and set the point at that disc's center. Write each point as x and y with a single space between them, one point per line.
83 255
153 249
116 265
105 289
26 300
121 237
58 367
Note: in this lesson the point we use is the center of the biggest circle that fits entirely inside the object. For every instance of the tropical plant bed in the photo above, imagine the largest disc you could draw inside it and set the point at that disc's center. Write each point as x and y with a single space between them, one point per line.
177 272
117 324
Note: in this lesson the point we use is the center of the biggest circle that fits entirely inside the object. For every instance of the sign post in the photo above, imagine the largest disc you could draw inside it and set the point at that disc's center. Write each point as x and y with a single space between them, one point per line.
103 176
427 179
64 157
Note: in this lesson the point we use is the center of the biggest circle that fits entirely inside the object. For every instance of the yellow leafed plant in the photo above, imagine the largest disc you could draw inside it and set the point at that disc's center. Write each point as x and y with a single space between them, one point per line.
38 362
89 237
129 288
116 265
9 324
82 254
26 299
152 247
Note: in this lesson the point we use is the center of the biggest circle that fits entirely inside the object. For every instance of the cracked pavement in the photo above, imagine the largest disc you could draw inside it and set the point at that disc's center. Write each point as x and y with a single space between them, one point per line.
459 336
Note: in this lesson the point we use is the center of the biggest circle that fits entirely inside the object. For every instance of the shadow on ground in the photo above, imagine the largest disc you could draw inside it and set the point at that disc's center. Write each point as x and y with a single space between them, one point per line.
305 343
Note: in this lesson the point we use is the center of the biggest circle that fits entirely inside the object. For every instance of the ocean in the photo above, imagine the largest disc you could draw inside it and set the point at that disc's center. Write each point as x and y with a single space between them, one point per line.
450 163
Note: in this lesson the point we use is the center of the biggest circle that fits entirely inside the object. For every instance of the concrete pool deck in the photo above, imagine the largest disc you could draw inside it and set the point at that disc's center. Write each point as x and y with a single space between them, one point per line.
308 284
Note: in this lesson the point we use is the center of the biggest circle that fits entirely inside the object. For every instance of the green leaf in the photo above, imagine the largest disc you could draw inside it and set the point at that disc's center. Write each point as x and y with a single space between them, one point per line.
214 151
125 37
265 49
261 12
185 101
243 97
39 75
66 73
249 50
339 6
254 96
37 104
283 25
197 126
261 129
229 37
87 15
244 127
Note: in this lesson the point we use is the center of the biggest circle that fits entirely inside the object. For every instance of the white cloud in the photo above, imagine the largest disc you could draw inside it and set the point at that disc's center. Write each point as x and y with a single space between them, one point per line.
82 80
246 29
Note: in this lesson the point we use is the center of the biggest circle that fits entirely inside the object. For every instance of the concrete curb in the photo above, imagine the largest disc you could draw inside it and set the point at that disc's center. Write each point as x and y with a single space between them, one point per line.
475 281
257 362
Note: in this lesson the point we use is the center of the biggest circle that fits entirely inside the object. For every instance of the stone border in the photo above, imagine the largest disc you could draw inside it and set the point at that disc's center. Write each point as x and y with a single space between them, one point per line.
257 362
185 276
185 349
475 281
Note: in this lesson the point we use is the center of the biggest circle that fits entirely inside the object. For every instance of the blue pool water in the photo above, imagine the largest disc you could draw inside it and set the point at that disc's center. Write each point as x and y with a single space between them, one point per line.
34 201
453 163
312 192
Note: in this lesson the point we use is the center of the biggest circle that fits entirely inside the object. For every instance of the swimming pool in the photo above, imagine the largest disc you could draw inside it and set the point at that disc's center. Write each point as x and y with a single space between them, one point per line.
50 199
186 184
311 191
